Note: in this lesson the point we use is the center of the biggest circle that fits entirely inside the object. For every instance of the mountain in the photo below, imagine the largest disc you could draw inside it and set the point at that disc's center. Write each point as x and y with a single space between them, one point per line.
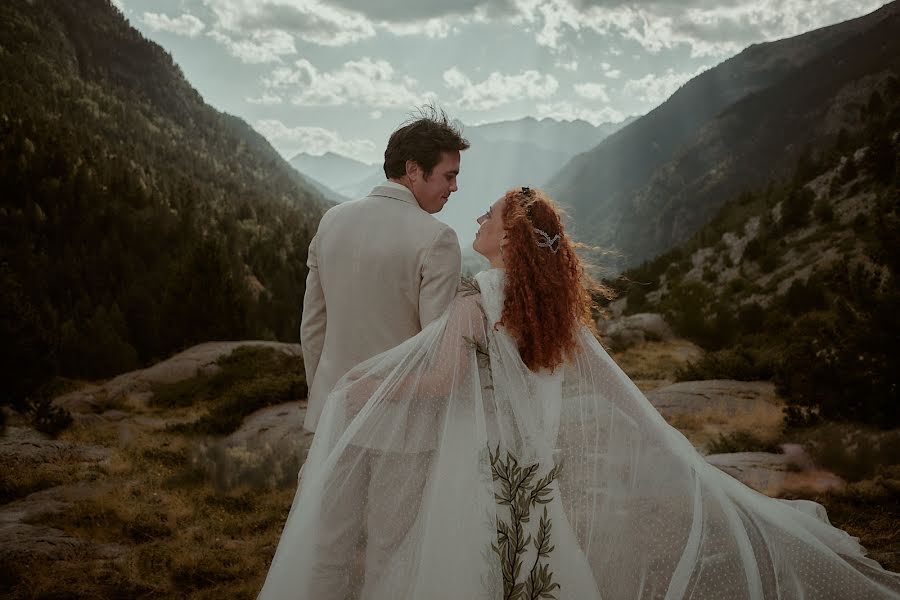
797 280
136 219
567 137
653 183
334 171
508 155
502 155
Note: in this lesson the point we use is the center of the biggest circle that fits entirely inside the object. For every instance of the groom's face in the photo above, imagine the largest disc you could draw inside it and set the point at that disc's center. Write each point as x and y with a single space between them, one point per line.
432 191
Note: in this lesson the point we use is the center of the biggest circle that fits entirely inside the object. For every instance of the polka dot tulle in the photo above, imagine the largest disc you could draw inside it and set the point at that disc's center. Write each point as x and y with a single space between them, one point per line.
444 468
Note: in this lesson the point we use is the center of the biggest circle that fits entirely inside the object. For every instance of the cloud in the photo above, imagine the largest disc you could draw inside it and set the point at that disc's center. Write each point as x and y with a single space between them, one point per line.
417 10
186 25
654 89
266 99
309 20
708 29
119 4
592 91
259 47
569 111
314 140
430 28
499 89
365 82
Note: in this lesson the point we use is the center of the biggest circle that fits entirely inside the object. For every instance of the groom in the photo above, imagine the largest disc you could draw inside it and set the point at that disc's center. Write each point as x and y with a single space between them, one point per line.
380 269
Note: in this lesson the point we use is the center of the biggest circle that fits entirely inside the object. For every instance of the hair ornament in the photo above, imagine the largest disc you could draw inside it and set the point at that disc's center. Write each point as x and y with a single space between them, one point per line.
546 241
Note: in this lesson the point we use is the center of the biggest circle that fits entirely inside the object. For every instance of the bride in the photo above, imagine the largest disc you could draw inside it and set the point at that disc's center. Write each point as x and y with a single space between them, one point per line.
530 466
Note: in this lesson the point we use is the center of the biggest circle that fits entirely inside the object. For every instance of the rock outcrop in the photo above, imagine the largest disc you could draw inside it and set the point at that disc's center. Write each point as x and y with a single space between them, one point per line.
624 332
134 387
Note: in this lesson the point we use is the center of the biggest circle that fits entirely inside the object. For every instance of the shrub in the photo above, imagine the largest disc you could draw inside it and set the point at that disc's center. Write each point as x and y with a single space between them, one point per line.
754 249
795 208
751 318
740 362
769 261
842 363
740 441
823 211
803 296
47 418
852 452
736 286
181 393
250 378
848 170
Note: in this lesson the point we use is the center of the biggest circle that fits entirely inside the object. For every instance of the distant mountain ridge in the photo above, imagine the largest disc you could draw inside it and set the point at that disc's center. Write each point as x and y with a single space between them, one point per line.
651 184
335 171
567 137
502 155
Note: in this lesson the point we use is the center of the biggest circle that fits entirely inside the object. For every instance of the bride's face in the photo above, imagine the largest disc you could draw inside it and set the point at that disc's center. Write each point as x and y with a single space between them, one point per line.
490 234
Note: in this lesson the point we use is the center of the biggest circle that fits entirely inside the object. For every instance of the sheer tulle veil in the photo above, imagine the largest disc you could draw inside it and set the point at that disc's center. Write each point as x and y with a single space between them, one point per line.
445 468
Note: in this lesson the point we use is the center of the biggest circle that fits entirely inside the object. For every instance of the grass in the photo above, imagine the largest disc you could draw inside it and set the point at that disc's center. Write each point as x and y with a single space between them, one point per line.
184 537
853 452
250 378
868 510
740 441
659 360
17 483
762 423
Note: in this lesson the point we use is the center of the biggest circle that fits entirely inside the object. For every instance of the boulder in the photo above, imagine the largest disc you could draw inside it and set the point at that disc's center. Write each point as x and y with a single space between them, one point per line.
724 396
23 537
135 387
624 332
268 449
772 473
23 446
704 410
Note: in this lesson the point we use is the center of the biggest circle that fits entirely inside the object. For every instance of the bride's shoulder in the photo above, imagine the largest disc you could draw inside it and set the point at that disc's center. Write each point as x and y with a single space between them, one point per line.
484 283
468 286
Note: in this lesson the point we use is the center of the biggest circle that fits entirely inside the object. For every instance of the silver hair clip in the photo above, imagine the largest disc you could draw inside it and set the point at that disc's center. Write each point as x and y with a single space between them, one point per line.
547 242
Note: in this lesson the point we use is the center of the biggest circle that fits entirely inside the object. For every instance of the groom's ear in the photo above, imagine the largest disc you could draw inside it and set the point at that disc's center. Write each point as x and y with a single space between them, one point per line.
413 170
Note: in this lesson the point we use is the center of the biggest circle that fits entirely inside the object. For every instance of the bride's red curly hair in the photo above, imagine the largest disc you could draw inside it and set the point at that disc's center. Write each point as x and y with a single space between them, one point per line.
547 294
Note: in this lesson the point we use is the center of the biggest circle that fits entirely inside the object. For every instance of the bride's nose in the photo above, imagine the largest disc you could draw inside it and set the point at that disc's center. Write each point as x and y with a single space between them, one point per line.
480 220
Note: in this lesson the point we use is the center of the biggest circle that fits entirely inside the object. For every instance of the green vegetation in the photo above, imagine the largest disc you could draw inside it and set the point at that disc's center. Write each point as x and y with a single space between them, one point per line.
740 441
828 339
136 220
250 378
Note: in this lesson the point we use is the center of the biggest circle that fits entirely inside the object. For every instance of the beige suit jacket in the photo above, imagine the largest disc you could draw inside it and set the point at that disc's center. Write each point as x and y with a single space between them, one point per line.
380 270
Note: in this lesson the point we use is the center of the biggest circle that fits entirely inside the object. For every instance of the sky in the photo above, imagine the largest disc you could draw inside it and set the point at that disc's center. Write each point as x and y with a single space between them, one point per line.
340 75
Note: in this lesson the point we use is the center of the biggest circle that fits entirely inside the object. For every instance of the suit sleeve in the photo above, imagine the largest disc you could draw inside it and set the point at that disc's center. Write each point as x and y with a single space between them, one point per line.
312 323
440 276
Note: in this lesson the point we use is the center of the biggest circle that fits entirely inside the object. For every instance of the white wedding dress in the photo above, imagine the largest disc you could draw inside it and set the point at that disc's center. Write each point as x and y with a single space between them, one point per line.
444 468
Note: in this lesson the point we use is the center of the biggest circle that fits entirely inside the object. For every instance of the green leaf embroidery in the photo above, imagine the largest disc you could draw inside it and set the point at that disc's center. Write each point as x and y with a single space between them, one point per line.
514 489
468 286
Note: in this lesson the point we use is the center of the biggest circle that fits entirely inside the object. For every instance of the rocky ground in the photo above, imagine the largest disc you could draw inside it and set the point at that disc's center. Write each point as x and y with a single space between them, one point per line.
120 505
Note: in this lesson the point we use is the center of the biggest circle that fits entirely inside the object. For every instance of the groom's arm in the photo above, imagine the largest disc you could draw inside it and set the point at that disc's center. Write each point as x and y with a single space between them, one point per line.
440 276
312 323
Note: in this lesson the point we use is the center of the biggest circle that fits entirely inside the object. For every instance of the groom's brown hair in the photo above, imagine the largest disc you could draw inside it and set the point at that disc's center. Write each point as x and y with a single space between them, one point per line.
422 139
